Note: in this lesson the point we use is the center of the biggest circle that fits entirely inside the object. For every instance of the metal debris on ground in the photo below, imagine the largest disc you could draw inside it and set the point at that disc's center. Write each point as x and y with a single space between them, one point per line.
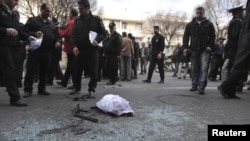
78 112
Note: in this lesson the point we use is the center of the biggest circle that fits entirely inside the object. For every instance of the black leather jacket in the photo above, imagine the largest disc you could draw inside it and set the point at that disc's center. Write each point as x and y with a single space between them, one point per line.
202 35
233 37
49 30
113 44
80 32
158 44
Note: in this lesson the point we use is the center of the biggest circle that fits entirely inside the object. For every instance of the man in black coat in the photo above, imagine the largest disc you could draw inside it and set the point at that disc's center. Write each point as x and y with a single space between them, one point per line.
158 44
201 35
40 27
9 38
241 63
86 51
112 48
232 40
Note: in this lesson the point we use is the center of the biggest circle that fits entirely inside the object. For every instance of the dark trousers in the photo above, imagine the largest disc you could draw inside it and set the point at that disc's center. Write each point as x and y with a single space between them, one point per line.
8 67
2 81
19 57
90 59
102 67
216 65
37 59
112 67
134 67
152 64
70 69
54 67
230 84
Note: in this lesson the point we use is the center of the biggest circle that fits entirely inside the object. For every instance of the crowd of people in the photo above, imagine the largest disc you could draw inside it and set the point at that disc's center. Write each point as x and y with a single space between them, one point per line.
112 55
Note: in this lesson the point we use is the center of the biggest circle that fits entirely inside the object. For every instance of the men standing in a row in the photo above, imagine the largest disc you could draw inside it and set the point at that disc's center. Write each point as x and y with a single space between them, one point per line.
228 87
40 26
87 53
112 48
9 39
127 54
66 34
200 31
157 56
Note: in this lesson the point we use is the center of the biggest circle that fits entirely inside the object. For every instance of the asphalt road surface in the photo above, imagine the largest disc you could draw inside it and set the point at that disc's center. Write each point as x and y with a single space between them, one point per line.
163 112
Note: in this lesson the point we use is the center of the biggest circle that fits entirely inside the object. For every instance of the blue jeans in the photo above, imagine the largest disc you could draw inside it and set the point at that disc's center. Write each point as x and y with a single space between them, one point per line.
200 61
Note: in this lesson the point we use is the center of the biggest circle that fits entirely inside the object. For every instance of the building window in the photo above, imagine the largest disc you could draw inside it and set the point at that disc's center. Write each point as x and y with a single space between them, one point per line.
138 26
124 25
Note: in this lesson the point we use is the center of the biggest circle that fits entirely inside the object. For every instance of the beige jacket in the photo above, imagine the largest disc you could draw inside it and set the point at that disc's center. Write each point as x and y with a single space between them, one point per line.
127 47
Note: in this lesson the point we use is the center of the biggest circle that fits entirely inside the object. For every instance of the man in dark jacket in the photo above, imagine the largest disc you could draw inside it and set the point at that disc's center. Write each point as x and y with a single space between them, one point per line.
232 40
200 31
112 48
158 44
86 51
241 62
9 39
40 26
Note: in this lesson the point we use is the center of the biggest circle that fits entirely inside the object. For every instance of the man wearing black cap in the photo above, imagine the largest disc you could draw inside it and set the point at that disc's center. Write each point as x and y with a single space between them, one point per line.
201 34
86 52
158 44
112 48
216 59
236 47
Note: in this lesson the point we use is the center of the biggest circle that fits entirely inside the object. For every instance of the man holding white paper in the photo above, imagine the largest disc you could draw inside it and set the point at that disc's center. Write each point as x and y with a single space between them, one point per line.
88 31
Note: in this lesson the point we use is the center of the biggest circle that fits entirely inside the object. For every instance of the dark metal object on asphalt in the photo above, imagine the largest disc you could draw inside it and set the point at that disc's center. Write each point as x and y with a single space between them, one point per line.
77 113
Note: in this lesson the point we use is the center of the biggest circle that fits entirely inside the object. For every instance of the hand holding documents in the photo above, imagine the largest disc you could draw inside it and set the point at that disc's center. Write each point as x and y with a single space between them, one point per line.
92 36
35 43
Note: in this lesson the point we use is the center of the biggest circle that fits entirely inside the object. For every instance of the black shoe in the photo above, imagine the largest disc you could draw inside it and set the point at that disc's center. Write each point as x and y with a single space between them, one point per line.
61 84
184 77
174 75
146 81
71 87
179 77
91 95
233 97
222 92
110 83
201 91
19 103
27 94
75 92
43 92
161 82
193 89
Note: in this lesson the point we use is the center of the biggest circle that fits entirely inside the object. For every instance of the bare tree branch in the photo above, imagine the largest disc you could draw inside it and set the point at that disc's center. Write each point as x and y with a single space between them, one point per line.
169 22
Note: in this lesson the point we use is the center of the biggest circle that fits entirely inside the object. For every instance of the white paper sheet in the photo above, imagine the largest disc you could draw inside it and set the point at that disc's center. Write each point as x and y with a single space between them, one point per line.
35 43
92 36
